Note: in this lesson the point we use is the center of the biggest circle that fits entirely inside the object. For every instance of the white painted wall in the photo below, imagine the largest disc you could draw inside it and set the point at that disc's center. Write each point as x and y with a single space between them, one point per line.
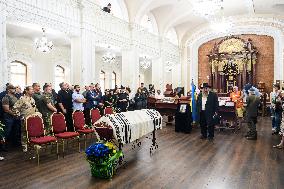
41 66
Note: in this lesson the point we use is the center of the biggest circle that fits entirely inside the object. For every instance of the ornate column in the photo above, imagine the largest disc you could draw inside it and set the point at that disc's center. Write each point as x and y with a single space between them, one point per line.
130 68
4 72
157 74
184 59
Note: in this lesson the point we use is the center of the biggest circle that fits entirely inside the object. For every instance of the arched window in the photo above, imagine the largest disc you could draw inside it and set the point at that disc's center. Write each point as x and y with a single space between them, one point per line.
59 76
113 80
18 73
102 81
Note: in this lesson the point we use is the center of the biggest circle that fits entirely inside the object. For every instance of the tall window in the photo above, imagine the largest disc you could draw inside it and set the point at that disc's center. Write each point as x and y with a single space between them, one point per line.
18 74
113 80
102 81
59 76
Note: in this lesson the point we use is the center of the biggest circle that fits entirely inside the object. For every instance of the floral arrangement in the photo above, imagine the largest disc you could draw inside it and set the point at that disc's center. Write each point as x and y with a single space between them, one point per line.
103 158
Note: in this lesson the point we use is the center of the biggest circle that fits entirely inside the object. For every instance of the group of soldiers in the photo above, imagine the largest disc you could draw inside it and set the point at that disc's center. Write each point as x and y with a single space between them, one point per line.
16 106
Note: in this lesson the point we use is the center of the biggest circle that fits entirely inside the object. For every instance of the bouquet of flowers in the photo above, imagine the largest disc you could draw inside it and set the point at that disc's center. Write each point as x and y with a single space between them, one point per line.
103 158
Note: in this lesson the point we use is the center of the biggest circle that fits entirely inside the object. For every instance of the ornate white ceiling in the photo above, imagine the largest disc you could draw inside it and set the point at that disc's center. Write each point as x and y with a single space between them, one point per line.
178 13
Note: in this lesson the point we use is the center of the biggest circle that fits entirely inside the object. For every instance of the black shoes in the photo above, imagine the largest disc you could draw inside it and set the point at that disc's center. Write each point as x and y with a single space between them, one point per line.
251 137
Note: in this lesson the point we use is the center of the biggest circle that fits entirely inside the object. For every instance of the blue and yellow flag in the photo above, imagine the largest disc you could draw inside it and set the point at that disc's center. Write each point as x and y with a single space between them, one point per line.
193 101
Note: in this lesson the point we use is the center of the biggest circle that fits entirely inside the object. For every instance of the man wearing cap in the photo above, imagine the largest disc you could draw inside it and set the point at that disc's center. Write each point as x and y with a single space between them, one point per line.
275 107
252 103
207 106
12 123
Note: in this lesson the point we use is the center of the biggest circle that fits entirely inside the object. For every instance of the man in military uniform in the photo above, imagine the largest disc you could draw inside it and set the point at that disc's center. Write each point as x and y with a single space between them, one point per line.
46 107
37 94
23 108
11 122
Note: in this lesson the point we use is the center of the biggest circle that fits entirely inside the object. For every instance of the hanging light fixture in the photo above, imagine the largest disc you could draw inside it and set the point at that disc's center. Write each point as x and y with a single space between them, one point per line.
220 24
145 63
42 44
206 8
109 56
169 66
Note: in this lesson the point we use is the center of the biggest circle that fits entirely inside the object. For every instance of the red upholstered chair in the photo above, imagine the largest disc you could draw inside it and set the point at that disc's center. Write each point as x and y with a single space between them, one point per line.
95 115
36 134
80 126
60 130
108 110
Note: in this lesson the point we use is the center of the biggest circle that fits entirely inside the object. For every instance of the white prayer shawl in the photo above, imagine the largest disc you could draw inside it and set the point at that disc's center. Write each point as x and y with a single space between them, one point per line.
132 125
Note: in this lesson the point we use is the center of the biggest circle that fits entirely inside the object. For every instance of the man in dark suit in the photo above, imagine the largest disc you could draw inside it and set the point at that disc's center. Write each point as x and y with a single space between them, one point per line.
207 106
252 103
64 99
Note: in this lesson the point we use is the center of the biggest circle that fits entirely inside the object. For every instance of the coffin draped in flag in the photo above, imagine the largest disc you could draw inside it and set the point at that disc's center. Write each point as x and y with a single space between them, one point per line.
130 126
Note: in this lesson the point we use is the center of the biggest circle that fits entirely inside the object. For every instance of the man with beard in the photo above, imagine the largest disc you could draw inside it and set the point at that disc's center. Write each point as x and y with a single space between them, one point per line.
37 94
65 104
78 99
11 122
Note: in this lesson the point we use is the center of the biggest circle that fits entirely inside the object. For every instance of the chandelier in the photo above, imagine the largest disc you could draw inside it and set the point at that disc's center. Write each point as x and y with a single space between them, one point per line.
109 56
42 44
169 66
206 8
145 63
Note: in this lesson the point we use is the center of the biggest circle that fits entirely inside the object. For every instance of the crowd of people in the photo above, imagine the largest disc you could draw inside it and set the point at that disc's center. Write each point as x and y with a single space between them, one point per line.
16 105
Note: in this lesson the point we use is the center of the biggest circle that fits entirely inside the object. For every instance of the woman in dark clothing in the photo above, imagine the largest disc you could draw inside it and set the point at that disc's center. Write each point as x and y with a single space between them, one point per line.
139 98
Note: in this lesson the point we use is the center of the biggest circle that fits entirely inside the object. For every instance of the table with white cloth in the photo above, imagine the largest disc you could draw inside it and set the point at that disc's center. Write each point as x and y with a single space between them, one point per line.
127 127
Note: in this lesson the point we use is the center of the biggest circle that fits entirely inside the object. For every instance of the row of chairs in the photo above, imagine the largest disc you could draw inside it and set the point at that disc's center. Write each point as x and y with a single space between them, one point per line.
36 134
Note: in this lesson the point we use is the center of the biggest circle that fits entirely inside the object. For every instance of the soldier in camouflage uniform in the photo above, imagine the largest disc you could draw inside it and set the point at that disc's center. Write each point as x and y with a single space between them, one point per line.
23 108
46 107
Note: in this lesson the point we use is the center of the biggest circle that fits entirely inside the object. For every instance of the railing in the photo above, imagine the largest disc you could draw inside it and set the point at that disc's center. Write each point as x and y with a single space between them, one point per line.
72 15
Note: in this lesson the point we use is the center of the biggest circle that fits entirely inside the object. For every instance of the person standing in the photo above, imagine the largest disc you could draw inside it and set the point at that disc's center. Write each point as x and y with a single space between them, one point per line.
207 107
275 113
11 122
252 103
65 104
78 99
46 107
23 108
37 94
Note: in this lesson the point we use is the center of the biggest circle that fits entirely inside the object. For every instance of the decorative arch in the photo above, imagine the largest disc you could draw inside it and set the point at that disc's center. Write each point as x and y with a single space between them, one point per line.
259 28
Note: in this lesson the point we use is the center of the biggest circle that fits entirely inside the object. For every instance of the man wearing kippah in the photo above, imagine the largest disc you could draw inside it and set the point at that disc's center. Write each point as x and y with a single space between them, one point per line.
252 102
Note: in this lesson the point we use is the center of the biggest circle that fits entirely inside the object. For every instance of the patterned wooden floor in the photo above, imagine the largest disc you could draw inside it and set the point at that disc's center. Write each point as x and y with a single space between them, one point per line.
182 161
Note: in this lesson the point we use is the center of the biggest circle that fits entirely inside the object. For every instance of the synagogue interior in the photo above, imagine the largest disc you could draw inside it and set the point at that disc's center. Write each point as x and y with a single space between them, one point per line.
130 94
